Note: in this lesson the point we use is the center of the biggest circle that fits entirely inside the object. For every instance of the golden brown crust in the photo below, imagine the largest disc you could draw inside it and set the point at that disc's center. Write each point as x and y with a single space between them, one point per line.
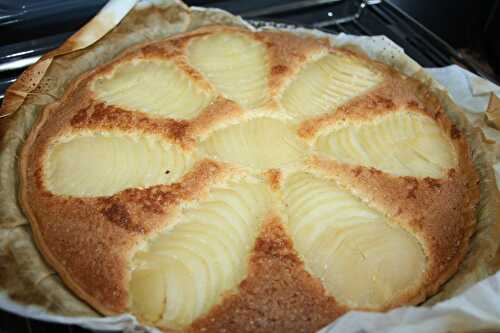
274 178
277 290
439 212
287 54
278 295
393 93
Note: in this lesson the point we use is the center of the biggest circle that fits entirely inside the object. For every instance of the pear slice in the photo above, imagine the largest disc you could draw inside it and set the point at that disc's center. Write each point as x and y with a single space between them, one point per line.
235 64
402 143
259 143
324 84
147 290
97 164
206 253
156 87
362 260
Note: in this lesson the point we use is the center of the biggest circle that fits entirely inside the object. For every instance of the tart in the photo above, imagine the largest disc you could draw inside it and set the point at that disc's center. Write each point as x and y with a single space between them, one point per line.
225 176
226 179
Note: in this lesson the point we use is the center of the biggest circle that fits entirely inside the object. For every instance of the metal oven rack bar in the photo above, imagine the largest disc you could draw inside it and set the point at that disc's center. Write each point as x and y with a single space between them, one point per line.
359 17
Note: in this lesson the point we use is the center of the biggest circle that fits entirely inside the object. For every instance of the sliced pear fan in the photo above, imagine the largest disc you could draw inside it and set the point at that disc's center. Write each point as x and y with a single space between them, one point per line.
156 87
325 84
235 64
103 164
259 143
361 260
402 143
148 290
203 256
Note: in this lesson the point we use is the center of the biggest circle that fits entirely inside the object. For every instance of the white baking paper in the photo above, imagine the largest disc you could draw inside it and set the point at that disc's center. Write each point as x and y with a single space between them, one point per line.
478 308
475 310
457 80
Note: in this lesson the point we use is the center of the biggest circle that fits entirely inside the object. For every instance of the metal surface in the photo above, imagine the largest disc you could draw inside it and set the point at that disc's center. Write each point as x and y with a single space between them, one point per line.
30 28
286 7
359 17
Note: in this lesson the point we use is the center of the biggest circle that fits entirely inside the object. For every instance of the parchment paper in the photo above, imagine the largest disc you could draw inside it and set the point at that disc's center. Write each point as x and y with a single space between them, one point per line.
476 309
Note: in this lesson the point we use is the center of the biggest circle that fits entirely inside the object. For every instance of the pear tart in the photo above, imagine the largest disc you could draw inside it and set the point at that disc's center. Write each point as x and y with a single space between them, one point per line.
231 180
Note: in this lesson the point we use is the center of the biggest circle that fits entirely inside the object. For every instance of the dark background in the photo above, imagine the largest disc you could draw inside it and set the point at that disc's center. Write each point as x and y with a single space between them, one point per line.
472 27
434 33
